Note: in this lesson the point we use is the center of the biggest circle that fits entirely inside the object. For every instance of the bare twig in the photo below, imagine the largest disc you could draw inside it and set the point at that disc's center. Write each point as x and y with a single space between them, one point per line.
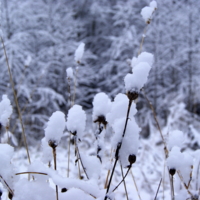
123 177
79 158
41 173
158 189
136 186
16 101
55 168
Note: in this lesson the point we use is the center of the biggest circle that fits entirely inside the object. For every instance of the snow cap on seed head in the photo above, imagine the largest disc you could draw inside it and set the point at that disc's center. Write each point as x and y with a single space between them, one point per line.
147 11
79 52
101 106
76 121
55 127
69 72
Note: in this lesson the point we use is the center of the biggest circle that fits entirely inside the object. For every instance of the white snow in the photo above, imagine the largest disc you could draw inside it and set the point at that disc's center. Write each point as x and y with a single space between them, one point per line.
79 53
6 169
175 138
153 4
76 120
147 13
69 72
47 151
119 108
5 110
28 60
101 105
135 81
175 156
55 127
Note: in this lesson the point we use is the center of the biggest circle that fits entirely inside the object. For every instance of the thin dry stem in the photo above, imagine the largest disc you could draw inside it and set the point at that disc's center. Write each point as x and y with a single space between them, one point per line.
108 173
136 186
55 168
181 178
197 182
172 187
6 184
16 101
123 177
142 41
158 125
75 85
41 173
79 158
68 161
158 189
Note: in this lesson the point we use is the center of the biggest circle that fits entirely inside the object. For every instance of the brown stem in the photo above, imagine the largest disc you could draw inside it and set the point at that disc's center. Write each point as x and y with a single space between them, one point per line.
158 189
55 168
79 158
123 178
16 101
69 145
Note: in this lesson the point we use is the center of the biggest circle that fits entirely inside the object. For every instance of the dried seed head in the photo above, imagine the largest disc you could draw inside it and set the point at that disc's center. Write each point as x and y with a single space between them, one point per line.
172 171
64 190
101 120
132 95
132 159
10 195
53 144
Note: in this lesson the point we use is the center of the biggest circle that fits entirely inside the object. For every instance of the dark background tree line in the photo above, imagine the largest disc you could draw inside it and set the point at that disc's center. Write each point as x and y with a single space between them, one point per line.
49 32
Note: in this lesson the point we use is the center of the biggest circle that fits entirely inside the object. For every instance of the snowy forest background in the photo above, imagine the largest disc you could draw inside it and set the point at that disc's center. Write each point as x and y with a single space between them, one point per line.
49 32
41 37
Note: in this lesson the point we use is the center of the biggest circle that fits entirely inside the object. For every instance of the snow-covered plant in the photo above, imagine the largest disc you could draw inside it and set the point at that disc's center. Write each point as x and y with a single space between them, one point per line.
79 53
55 128
76 120
70 74
5 111
147 11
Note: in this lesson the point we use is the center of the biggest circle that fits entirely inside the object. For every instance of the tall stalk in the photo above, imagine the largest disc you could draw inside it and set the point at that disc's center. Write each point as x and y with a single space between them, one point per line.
16 101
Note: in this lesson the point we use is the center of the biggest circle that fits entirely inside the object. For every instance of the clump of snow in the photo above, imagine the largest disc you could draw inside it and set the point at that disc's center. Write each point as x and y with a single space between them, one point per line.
47 151
38 166
143 57
76 121
147 13
101 105
79 53
6 169
27 61
119 108
33 190
130 142
5 110
69 72
92 166
135 81
153 4
175 138
175 156
186 164
55 127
